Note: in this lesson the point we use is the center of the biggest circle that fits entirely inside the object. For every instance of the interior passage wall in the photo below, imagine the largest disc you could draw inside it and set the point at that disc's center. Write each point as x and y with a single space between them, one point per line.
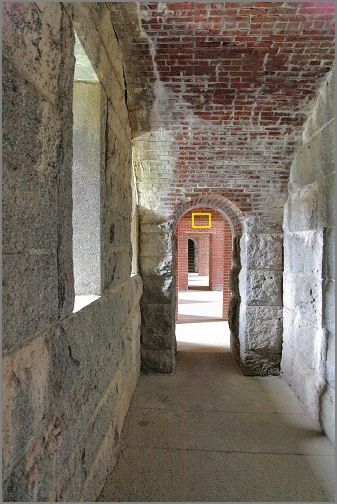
203 241
215 252
86 186
308 361
68 378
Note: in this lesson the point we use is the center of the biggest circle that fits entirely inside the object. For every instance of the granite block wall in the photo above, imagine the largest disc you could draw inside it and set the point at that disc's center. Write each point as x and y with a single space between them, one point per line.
308 360
68 377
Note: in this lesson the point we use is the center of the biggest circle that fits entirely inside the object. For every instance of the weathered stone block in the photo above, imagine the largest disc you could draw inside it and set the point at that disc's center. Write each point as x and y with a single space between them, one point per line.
37 54
25 399
116 265
288 356
264 328
303 251
233 315
156 249
256 364
66 381
324 109
328 200
307 340
30 295
327 413
264 252
253 226
158 326
158 289
106 457
234 280
329 306
236 251
330 361
160 361
29 210
104 65
116 197
302 380
116 229
304 294
35 144
57 471
329 253
264 288
306 208
314 159
102 17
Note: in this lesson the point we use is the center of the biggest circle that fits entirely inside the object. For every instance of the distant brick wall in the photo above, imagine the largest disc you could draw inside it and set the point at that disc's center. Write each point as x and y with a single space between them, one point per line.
214 252
203 254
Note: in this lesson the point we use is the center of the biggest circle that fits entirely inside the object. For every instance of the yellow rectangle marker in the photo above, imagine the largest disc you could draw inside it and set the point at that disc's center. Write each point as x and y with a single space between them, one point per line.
201 214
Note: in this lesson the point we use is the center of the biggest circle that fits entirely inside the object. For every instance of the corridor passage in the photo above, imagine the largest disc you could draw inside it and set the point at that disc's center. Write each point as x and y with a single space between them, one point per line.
200 326
208 433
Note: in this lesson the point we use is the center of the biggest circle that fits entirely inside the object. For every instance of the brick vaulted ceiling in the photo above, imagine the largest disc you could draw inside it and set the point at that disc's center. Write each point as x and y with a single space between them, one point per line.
225 89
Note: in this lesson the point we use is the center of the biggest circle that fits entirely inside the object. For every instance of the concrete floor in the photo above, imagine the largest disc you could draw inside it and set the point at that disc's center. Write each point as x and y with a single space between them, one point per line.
208 433
200 327
196 280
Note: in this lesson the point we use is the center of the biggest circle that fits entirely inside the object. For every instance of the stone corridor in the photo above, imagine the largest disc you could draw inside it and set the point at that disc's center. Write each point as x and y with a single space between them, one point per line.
121 120
208 433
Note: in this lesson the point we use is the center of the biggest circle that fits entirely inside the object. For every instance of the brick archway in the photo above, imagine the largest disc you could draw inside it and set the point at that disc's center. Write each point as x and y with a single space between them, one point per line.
219 203
234 217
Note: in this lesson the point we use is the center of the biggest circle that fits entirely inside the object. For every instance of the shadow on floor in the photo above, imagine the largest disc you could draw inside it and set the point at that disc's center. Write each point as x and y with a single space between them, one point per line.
208 433
190 319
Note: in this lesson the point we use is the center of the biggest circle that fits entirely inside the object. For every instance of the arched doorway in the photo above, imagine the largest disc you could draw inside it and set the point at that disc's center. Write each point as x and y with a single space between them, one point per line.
231 214
192 256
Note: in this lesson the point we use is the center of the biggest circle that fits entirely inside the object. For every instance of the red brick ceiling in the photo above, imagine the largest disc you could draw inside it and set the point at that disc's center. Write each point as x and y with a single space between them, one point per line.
232 83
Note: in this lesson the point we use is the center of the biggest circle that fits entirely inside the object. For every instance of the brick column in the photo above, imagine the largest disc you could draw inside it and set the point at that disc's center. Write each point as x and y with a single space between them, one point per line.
227 268
182 260
217 256
203 254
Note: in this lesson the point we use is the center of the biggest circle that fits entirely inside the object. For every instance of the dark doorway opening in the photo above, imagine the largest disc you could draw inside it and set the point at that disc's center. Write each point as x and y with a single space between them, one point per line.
191 257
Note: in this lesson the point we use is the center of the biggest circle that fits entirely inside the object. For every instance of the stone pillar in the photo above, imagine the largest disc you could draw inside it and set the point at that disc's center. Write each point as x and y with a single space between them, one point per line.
260 285
234 303
156 260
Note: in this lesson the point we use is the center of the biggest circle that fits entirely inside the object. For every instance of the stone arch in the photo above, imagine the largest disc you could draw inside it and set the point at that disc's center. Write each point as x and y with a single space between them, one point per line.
217 202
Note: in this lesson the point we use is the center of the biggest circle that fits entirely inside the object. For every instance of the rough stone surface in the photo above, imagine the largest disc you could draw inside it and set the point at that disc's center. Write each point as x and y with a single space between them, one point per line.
158 326
259 338
264 252
327 416
264 328
86 174
68 377
264 288
306 339
209 116
303 252
156 265
159 361
303 295
309 285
